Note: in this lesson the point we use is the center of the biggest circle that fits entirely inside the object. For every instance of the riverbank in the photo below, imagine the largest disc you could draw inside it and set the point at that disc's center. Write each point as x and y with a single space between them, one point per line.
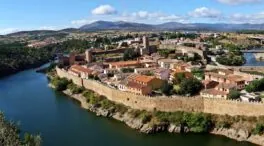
11 71
10 135
147 122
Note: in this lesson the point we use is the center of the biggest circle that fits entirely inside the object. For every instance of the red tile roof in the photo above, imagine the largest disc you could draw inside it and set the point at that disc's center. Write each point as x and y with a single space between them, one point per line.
135 85
125 63
79 69
141 78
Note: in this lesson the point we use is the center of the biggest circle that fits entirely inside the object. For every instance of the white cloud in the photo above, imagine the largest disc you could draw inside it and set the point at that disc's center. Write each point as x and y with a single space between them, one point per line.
8 30
47 28
146 15
237 2
172 18
246 18
205 12
104 10
82 22
150 17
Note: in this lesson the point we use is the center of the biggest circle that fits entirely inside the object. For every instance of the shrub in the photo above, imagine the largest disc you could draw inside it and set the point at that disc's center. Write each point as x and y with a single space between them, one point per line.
175 117
106 104
222 124
135 113
233 94
75 89
198 122
121 108
60 84
259 129
146 117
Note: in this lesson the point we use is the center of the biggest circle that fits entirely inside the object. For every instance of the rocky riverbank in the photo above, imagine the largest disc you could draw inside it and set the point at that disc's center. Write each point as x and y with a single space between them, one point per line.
150 127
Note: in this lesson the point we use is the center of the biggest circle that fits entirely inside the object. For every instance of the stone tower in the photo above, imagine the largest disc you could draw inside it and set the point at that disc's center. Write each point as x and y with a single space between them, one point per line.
146 42
72 58
89 55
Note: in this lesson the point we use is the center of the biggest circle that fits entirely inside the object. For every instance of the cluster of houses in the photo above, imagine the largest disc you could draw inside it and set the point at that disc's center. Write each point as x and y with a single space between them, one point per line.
150 71
219 83
141 76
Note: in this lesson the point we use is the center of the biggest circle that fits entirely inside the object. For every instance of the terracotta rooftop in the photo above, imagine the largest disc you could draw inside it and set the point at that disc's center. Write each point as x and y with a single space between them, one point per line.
141 78
226 86
135 85
235 78
187 74
79 68
124 63
75 71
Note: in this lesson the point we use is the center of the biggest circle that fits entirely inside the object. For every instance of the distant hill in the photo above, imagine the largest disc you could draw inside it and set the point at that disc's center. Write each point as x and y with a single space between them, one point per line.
121 25
43 32
33 32
69 30
131 26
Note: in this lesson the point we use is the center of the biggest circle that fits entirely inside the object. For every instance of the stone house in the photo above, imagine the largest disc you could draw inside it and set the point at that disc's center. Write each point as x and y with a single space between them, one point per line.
80 71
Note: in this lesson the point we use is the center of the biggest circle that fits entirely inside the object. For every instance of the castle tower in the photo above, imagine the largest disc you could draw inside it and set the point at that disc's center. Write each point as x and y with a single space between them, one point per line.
146 42
145 49
89 55
72 58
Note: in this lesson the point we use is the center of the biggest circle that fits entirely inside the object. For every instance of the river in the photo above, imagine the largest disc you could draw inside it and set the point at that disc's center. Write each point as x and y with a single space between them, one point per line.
251 60
25 97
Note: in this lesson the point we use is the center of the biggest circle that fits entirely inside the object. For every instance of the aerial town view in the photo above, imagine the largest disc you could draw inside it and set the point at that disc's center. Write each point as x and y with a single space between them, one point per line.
126 73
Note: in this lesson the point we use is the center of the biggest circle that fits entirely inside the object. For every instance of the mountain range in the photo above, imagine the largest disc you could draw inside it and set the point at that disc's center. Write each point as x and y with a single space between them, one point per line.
121 25
131 26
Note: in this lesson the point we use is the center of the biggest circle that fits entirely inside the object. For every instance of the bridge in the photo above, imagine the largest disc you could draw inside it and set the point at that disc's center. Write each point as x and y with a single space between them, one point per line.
258 53
258 38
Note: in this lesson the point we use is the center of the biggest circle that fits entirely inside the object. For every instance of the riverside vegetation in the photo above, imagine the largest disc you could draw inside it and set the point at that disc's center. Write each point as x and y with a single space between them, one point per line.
233 58
17 56
9 135
236 127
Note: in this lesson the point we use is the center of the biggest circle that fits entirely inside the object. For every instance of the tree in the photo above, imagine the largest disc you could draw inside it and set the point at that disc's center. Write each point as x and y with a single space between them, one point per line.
178 78
17 56
127 70
166 88
234 57
130 54
199 73
233 94
190 86
10 136
164 52
255 86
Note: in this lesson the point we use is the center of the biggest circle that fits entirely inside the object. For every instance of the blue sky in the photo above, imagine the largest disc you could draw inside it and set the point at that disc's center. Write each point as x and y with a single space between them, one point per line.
18 15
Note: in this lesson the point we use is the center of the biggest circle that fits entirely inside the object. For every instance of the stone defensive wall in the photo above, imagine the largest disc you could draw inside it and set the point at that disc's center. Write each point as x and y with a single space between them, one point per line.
121 50
169 104
184 49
